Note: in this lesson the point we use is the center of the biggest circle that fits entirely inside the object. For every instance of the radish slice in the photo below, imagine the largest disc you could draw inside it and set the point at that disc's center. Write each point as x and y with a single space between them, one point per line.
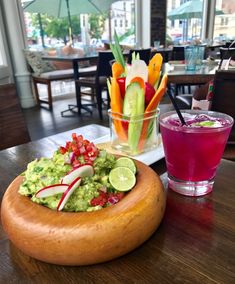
79 171
51 190
68 193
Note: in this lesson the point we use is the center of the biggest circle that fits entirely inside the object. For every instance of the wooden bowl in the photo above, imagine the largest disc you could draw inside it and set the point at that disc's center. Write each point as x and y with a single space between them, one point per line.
88 237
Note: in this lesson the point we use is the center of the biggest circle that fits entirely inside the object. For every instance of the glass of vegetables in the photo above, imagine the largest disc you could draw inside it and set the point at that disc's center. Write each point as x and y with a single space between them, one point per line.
135 91
134 134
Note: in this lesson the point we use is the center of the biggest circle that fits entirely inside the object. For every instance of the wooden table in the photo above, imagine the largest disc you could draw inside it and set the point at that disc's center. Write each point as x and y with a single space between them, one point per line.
178 75
194 243
74 59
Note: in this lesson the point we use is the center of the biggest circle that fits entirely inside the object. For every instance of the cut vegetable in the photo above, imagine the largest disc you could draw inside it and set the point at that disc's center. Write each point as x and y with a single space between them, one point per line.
154 68
117 69
158 95
137 69
51 190
149 93
150 108
117 51
116 107
79 171
126 162
122 86
122 178
134 99
133 107
68 193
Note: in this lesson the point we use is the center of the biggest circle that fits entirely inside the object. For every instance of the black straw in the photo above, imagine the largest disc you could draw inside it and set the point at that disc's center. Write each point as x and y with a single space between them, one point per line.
176 108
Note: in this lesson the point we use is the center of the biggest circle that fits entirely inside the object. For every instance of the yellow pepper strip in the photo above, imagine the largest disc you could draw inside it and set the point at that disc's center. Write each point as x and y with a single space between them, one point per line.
154 68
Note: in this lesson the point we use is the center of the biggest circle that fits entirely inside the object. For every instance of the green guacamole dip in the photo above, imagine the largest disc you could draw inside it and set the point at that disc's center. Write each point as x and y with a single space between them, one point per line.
48 171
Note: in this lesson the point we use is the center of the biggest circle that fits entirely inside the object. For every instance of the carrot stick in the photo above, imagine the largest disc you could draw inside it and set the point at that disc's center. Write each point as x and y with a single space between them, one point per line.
117 69
158 95
116 107
154 68
150 108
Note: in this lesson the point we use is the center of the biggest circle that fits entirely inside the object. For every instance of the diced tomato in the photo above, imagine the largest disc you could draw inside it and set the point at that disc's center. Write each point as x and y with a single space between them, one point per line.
76 162
74 136
80 148
106 198
63 150
101 200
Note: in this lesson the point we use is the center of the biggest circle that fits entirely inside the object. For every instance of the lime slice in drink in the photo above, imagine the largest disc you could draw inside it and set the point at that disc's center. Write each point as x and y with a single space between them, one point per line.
126 162
122 178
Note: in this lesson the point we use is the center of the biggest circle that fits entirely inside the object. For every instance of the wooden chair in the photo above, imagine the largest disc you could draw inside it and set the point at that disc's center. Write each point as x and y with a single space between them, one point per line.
98 82
13 129
143 53
178 53
44 72
224 95
47 78
224 101
226 53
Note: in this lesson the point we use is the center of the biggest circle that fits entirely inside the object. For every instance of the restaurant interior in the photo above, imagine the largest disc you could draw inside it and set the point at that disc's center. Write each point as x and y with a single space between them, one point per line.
77 69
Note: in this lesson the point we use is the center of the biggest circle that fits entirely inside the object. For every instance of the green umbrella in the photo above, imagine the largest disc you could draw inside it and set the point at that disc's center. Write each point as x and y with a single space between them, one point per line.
66 8
188 10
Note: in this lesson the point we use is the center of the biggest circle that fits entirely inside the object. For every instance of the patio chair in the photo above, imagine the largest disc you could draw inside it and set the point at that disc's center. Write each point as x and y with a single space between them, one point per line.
224 96
178 53
143 53
226 53
13 129
44 72
98 82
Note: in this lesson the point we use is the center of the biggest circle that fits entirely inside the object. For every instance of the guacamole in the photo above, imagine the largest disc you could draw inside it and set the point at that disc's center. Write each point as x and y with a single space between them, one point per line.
48 171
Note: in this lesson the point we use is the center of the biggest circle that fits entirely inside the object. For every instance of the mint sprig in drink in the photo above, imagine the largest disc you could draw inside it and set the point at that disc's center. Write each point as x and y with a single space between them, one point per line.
193 151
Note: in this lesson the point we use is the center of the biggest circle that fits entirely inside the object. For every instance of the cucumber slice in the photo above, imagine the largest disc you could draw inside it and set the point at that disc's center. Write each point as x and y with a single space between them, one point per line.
134 100
133 107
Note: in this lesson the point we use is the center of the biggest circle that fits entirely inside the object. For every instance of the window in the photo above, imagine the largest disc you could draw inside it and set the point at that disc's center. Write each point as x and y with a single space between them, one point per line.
224 27
5 67
2 51
182 24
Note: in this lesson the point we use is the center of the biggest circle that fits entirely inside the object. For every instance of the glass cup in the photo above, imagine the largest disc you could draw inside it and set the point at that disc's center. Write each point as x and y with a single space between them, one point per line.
191 53
156 44
134 135
200 56
193 153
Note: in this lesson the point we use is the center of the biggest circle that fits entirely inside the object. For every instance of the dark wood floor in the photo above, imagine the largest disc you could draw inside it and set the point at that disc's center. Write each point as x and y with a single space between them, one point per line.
42 122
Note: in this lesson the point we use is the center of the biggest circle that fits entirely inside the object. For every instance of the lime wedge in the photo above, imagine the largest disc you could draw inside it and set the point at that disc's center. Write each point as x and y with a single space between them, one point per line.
122 178
126 162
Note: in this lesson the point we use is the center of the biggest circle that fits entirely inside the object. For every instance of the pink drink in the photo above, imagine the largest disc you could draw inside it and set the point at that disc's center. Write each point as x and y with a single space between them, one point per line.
193 151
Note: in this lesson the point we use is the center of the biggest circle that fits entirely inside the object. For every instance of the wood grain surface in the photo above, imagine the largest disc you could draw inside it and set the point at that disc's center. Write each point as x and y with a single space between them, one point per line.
193 244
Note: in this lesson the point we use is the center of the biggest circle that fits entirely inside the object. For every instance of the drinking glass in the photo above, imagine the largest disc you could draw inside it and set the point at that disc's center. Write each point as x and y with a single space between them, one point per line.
190 53
193 153
133 135
156 44
200 56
